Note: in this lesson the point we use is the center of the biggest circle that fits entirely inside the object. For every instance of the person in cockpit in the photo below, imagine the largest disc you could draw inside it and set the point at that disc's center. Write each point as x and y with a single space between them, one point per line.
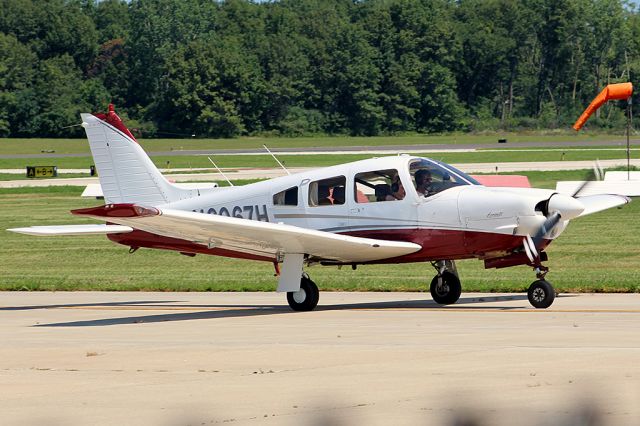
397 190
423 182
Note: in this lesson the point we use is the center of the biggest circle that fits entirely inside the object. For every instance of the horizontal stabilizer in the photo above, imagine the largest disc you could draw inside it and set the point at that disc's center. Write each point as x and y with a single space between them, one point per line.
597 203
57 230
250 236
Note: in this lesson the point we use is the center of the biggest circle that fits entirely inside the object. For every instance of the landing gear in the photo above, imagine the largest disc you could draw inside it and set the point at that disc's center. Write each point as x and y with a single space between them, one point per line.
541 293
305 299
445 286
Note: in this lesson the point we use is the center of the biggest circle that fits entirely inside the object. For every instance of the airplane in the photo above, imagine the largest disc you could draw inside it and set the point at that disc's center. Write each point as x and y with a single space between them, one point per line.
389 210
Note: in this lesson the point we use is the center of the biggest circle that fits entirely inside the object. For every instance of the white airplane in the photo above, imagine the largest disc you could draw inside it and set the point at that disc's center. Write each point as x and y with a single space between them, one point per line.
395 209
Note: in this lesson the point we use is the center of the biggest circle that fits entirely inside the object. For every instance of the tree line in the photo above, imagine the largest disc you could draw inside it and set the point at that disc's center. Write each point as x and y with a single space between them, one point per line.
303 67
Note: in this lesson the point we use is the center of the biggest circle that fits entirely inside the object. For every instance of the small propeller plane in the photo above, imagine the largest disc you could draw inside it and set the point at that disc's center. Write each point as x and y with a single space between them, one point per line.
396 209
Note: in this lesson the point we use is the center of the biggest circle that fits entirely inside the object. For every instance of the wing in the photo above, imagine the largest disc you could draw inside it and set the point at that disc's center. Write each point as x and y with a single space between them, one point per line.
249 236
57 230
597 203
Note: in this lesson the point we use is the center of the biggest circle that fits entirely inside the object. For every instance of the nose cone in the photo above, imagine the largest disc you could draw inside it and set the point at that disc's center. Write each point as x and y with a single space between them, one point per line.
567 206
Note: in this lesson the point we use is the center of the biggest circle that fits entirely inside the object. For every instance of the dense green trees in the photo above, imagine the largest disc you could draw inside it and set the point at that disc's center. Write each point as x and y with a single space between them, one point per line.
294 67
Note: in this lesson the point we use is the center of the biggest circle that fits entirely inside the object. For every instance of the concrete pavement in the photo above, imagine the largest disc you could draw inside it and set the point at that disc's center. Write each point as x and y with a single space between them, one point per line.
106 358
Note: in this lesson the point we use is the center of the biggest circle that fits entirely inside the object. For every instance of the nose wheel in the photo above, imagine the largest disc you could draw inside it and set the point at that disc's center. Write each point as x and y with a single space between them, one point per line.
541 294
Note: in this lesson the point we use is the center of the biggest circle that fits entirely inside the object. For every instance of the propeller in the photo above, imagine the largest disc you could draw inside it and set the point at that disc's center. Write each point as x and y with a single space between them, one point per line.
531 244
559 206
595 174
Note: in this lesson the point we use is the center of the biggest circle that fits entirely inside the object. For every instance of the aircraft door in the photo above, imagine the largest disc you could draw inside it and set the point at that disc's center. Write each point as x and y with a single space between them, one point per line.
378 203
326 207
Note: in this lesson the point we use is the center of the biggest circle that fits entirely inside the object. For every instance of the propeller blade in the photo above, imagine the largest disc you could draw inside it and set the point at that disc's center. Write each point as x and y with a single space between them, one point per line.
546 227
529 248
597 170
596 173
582 186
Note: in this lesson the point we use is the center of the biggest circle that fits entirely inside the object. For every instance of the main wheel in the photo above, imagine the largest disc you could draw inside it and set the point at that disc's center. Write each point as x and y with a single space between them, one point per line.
305 299
541 294
445 289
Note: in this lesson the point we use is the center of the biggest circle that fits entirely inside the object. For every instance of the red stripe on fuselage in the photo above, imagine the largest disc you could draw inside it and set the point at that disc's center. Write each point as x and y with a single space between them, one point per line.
437 244
445 244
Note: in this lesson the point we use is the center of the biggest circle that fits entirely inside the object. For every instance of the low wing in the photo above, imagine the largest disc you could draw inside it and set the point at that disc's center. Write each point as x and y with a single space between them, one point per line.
57 230
597 203
249 236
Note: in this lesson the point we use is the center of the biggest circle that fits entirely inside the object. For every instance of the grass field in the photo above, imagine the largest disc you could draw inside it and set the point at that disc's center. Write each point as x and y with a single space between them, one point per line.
596 253
70 146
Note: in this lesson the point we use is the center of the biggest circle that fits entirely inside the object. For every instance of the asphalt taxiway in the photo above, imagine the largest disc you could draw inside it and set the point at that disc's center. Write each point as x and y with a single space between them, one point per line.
360 358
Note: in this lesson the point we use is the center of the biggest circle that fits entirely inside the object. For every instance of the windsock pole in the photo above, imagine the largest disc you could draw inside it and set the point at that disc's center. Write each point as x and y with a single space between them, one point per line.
628 138
611 92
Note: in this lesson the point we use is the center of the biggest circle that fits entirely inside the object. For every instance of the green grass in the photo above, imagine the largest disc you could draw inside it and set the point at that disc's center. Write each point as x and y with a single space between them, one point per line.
68 146
596 253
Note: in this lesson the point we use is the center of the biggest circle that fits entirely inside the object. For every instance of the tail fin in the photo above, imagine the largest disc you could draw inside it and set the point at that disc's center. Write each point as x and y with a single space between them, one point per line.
127 174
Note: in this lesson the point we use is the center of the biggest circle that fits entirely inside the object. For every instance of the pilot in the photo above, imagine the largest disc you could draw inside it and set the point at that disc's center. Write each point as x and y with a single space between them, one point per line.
423 182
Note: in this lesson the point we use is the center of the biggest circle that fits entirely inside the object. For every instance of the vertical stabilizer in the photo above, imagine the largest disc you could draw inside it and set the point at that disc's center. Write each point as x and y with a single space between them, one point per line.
127 174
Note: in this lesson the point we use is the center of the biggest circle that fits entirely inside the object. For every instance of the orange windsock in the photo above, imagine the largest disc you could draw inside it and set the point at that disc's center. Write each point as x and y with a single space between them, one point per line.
611 92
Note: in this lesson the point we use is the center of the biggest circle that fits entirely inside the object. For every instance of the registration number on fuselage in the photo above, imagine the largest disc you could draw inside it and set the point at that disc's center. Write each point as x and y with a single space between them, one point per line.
252 212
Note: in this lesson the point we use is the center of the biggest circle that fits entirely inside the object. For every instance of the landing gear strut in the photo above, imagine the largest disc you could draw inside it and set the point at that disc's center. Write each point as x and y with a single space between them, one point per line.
541 293
305 299
445 286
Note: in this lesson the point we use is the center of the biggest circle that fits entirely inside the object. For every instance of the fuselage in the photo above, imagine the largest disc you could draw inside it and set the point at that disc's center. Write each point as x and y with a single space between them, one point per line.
456 218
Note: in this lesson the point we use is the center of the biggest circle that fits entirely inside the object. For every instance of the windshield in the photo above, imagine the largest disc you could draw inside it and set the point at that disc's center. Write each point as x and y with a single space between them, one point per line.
431 177
459 172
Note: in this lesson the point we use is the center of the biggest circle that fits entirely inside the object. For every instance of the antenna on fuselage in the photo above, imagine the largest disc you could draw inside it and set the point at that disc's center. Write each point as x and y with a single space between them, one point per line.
278 161
220 171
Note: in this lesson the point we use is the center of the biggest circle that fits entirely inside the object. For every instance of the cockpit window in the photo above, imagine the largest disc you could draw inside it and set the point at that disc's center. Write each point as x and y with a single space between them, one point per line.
431 177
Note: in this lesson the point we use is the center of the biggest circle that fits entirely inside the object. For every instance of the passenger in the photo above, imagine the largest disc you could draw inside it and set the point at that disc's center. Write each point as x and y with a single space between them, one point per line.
423 182
323 196
397 191
382 192
338 195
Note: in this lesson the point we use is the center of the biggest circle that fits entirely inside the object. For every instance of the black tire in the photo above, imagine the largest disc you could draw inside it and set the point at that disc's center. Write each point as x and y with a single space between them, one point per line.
306 299
541 294
450 290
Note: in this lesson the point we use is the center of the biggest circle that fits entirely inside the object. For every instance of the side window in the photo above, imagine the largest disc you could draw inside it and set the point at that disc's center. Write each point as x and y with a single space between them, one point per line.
378 186
327 192
288 197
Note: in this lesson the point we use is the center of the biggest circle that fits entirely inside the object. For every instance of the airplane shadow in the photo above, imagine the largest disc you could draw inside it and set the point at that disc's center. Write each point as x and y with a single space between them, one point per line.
241 311
81 305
